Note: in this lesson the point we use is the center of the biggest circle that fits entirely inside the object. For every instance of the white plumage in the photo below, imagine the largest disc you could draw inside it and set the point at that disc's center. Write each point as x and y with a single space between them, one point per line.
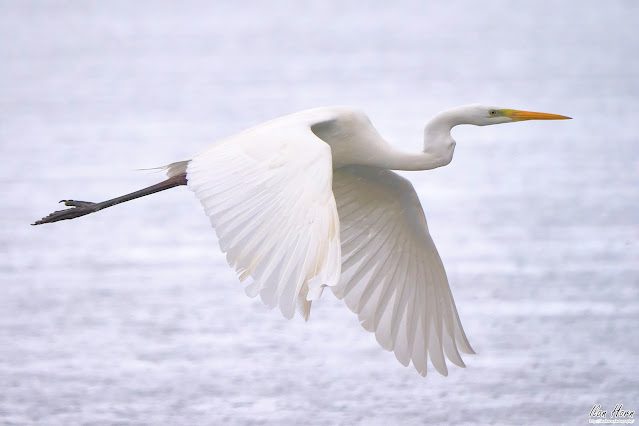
267 192
392 276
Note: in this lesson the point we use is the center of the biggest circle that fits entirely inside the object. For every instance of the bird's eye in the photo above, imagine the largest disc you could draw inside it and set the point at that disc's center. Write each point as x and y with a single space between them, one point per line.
492 112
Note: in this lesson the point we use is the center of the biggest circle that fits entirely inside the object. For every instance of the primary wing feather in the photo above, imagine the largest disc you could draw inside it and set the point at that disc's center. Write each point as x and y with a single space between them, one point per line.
392 275
267 192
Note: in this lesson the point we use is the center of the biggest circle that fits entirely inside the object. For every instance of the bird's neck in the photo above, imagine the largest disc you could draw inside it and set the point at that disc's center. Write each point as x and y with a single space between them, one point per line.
439 145
444 121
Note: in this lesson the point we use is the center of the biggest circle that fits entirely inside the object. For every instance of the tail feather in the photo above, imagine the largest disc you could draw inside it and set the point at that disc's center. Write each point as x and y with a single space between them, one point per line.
173 169
177 168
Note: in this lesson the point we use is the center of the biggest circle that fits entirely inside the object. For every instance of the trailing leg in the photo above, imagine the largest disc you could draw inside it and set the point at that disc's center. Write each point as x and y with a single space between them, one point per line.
82 208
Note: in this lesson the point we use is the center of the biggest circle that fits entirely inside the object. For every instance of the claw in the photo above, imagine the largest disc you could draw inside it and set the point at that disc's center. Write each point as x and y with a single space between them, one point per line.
74 203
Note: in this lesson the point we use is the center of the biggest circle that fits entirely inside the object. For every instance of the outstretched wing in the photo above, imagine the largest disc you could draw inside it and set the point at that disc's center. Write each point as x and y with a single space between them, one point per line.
268 194
392 276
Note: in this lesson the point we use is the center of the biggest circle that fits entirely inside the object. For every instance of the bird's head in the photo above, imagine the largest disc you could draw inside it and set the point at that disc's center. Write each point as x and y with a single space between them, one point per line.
485 115
439 143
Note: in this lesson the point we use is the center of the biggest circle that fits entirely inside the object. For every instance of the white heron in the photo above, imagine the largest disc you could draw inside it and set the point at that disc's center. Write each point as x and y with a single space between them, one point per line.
309 200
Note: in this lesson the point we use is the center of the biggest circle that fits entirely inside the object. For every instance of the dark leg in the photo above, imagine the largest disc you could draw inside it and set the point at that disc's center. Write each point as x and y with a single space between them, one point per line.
81 208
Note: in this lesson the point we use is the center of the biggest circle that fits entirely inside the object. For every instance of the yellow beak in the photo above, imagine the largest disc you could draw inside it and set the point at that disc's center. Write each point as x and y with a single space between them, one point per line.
517 115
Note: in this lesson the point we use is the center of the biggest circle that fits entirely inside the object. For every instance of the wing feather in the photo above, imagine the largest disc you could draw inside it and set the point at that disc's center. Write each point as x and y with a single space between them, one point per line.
392 275
268 194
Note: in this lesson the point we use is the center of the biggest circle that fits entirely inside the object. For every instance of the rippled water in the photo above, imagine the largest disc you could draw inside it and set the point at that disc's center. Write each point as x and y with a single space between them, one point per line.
131 316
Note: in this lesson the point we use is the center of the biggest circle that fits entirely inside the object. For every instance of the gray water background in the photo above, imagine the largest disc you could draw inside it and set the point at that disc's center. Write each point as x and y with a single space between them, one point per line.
131 316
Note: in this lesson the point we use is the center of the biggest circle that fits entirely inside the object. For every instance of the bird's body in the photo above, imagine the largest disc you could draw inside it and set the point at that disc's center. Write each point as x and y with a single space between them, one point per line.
309 200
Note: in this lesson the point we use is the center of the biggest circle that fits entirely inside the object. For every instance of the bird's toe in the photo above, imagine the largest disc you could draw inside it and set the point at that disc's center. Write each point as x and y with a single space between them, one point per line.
75 203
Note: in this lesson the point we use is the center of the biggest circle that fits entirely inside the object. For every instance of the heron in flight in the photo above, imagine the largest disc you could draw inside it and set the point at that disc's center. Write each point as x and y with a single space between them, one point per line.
310 200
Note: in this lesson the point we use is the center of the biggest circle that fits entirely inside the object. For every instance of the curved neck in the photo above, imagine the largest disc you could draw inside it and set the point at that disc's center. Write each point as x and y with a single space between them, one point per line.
439 145
444 121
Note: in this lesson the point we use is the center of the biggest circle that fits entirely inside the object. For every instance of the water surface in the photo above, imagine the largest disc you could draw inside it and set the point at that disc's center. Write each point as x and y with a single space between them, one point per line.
131 316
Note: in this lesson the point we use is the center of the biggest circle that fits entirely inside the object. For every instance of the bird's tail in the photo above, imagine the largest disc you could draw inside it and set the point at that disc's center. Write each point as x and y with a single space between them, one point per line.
173 169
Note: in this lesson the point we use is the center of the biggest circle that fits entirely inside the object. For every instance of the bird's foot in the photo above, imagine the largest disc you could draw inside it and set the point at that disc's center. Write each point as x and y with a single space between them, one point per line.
78 208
